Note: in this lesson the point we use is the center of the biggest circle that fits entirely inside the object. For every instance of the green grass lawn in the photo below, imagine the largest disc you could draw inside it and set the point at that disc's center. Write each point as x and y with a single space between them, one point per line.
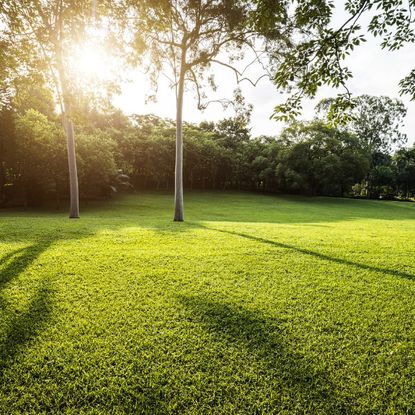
255 305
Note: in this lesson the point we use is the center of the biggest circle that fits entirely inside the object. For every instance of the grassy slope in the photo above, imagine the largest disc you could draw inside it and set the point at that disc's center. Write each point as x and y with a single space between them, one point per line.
257 304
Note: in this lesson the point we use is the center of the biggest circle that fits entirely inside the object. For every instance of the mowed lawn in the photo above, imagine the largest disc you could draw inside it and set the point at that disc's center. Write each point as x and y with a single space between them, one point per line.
256 304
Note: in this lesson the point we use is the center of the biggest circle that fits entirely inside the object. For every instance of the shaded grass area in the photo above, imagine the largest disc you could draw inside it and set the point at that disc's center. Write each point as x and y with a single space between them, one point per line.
256 304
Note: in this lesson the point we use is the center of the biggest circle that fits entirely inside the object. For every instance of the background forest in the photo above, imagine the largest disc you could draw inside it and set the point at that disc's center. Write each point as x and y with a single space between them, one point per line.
365 157
57 114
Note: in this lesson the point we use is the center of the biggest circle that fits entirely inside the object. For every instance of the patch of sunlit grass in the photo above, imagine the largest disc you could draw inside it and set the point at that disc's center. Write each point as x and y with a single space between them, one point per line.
255 304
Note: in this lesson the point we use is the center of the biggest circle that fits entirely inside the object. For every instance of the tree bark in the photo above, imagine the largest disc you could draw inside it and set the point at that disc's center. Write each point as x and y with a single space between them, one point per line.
73 171
65 103
178 185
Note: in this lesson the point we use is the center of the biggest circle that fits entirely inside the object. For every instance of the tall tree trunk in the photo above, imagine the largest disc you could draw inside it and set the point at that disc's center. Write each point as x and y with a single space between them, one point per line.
69 132
73 171
178 189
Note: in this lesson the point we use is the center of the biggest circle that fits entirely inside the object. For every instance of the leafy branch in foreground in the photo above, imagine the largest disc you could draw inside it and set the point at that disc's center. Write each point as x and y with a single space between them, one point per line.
318 57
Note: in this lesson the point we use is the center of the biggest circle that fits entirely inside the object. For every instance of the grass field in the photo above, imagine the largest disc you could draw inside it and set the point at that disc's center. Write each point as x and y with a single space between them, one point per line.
255 305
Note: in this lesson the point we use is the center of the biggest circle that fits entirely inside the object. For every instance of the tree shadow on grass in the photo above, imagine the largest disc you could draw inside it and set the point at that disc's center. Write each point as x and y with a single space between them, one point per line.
384 271
20 260
291 209
286 370
22 327
154 210
8 256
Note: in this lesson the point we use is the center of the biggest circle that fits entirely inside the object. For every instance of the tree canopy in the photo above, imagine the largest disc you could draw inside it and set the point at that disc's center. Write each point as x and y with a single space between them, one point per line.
376 121
186 41
317 57
188 37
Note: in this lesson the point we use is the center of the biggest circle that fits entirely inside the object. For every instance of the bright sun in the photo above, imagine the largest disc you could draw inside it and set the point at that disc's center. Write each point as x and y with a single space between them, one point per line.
90 60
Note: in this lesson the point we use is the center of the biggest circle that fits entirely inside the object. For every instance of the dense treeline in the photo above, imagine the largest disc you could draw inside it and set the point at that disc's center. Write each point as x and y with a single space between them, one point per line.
116 152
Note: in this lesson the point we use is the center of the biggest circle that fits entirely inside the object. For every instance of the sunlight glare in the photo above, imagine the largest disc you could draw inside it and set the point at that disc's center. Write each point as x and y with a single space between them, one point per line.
90 60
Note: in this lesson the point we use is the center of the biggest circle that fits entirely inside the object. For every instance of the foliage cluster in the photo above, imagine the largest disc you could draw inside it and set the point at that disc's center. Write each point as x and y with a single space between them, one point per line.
312 158
33 160
319 55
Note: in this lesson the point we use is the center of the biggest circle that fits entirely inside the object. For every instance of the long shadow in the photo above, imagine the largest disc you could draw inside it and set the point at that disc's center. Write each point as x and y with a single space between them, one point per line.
6 257
21 259
264 339
141 209
20 328
384 271
24 327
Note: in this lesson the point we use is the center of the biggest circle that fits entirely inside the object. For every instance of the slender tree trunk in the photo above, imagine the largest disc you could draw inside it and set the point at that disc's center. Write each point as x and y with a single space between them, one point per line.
178 189
70 136
73 171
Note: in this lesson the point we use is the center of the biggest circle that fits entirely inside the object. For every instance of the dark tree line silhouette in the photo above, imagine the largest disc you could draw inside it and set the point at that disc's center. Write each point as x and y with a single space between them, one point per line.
118 153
